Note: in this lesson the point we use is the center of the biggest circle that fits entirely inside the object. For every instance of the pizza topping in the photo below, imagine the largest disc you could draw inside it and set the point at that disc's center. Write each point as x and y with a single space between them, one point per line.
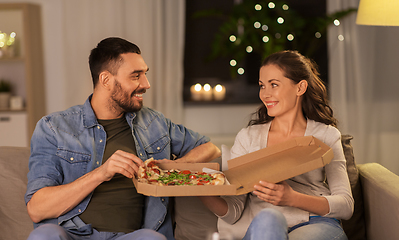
152 174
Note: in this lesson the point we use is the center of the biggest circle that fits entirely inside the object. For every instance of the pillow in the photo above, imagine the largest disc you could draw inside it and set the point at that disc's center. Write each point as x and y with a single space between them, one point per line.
355 227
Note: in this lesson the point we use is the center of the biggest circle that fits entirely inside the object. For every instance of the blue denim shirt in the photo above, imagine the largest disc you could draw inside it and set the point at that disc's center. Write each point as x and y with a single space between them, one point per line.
68 144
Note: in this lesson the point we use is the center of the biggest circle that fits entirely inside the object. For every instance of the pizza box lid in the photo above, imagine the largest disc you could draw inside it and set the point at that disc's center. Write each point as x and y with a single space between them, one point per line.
169 191
272 164
278 163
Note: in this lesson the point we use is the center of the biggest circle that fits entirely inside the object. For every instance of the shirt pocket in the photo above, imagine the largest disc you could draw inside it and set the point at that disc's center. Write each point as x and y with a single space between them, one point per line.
74 162
158 146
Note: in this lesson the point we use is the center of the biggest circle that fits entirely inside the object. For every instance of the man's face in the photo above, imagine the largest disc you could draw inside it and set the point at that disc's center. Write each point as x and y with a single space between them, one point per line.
130 83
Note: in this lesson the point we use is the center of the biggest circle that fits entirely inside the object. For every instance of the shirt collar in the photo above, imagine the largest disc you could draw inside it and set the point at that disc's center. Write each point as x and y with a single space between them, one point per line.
89 118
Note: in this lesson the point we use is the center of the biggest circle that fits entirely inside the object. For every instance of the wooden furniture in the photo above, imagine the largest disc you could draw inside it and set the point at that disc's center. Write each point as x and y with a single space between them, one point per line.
24 69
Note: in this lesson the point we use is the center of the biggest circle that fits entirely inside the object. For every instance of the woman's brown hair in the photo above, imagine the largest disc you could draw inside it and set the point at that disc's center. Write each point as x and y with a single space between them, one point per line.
297 67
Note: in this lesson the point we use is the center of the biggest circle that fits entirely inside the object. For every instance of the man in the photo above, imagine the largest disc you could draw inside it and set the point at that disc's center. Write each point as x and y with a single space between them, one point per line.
82 159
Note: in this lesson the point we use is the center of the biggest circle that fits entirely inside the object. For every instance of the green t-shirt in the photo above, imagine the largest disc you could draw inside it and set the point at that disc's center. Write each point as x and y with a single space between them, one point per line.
115 205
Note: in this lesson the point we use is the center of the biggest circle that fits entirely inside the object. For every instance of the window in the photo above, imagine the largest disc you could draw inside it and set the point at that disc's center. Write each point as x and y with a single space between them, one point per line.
198 68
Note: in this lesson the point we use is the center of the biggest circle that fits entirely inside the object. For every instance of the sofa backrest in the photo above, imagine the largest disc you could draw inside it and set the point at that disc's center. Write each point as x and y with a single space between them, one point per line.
14 218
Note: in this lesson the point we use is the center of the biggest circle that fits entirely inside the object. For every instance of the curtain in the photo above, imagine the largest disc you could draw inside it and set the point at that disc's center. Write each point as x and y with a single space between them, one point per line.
156 26
364 85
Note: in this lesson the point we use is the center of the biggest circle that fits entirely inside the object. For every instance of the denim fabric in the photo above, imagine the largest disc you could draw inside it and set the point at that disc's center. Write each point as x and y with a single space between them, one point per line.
55 232
68 144
270 224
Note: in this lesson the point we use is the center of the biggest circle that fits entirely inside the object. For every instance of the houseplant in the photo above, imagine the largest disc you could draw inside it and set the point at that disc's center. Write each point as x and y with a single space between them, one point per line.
5 93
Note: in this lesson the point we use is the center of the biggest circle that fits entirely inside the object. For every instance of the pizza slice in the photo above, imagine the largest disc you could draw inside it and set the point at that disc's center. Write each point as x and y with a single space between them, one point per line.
149 172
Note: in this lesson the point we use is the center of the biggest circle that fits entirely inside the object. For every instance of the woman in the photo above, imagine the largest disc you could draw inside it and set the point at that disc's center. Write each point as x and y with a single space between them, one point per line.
308 206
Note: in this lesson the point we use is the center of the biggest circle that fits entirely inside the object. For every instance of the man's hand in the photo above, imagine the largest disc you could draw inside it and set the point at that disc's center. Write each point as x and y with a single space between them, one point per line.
121 162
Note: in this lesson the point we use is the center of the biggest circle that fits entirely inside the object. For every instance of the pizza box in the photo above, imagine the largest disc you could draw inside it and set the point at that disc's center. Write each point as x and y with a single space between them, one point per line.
272 164
171 191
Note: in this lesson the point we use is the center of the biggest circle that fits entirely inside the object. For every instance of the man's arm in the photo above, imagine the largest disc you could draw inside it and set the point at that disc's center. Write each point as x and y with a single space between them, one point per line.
203 153
52 202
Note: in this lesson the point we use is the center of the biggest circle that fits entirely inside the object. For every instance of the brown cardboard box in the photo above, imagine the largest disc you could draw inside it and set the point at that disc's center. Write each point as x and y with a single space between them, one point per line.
271 164
169 191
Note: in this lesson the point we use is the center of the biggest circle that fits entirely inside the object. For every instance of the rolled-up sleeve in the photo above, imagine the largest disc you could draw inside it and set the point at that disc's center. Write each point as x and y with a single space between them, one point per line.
43 169
184 139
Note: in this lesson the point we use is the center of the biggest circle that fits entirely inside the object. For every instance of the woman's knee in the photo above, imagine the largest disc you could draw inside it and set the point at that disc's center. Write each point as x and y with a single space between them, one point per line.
270 217
48 232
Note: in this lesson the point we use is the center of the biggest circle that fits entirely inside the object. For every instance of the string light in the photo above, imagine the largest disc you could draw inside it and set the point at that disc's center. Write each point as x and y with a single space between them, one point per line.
278 35
280 20
258 7
271 5
257 25
233 62
249 49
317 35
285 7
336 22
240 71
290 37
265 39
341 37
232 38
265 27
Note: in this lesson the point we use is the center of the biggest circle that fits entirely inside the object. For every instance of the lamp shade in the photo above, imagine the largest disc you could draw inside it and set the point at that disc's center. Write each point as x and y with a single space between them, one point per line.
378 12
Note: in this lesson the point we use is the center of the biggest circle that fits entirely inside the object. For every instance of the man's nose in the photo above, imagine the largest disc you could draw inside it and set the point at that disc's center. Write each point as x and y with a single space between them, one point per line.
144 82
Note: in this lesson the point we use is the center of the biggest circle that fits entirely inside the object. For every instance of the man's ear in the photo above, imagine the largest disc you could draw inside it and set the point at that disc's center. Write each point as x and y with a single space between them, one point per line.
302 87
104 80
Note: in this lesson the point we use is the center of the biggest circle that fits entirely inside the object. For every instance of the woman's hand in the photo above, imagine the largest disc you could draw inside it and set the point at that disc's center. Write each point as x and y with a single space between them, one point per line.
279 194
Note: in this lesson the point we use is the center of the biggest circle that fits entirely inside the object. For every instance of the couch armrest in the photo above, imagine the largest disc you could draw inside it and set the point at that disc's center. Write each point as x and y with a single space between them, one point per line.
381 201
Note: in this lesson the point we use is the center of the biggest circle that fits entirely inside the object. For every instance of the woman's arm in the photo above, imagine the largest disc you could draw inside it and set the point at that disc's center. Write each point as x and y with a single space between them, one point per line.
216 204
281 194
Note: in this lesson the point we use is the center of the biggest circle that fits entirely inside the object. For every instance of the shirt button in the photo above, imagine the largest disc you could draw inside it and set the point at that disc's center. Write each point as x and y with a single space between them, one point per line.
98 163
98 127
101 140
141 154
71 158
80 210
163 199
158 148
159 221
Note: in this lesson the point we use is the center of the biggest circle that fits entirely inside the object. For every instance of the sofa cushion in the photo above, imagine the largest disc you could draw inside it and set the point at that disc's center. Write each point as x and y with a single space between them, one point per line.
355 226
15 221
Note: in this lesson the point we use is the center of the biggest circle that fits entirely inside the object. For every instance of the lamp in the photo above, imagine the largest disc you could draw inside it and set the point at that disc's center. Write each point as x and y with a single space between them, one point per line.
378 12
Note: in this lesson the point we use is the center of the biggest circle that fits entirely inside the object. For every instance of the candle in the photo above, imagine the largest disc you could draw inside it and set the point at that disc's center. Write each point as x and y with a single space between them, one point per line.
207 93
196 92
219 92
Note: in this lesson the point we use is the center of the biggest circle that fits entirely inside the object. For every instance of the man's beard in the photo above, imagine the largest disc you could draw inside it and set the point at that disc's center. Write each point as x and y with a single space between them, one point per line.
122 100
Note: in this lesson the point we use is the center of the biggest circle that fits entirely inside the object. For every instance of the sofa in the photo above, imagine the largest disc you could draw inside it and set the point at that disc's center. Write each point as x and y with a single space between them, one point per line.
375 189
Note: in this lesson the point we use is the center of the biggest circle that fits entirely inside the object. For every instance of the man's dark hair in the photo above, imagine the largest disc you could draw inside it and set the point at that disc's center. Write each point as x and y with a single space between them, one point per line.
107 56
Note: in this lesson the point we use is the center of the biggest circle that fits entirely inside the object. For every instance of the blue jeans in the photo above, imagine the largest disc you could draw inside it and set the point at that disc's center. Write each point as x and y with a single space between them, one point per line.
55 232
270 224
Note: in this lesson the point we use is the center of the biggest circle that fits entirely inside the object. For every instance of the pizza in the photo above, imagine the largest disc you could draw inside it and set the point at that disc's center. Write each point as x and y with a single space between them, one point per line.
152 174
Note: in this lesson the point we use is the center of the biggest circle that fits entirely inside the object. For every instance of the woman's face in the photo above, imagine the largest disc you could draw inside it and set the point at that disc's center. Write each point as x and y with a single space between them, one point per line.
279 94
